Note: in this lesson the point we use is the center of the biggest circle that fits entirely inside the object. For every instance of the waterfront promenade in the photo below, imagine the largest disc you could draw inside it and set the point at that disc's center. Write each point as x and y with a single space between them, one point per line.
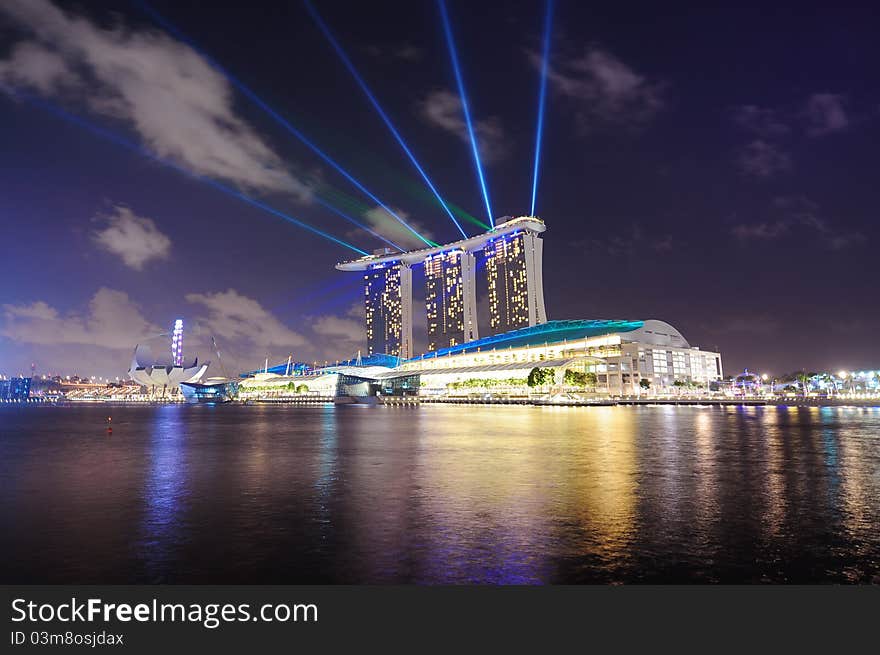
557 401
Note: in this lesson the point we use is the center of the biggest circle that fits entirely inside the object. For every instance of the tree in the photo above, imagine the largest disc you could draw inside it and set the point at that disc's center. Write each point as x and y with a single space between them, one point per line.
804 378
645 383
486 383
539 377
579 378
302 388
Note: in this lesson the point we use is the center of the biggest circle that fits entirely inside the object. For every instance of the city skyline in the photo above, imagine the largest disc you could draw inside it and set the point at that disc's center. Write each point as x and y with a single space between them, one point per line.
739 205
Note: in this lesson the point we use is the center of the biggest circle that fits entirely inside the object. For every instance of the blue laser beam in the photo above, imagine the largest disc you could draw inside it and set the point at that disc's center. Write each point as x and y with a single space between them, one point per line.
450 42
130 145
353 221
384 116
278 118
542 93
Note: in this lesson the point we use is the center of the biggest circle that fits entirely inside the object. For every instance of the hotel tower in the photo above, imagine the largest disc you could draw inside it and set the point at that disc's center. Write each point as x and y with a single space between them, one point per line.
510 257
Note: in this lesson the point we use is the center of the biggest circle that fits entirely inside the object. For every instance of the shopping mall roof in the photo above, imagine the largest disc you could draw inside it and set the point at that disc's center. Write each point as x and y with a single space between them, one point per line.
511 367
545 333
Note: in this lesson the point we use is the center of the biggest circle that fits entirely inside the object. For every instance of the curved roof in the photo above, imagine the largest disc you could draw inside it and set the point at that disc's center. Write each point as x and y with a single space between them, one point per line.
659 333
146 371
490 368
549 332
167 375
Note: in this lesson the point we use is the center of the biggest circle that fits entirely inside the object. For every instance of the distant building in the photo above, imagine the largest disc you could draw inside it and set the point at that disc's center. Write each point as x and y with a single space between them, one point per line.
153 374
332 382
621 354
623 358
15 389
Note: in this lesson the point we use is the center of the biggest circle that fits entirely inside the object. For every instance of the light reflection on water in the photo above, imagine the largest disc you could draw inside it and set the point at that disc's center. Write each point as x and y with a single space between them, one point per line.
440 494
165 494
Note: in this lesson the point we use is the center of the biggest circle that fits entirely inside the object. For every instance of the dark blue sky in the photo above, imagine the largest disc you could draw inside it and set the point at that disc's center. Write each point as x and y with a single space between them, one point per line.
714 168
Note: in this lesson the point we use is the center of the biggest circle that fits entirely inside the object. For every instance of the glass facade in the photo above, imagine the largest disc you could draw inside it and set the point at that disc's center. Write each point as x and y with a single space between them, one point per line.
514 277
209 393
388 305
508 283
399 385
512 251
445 298
402 385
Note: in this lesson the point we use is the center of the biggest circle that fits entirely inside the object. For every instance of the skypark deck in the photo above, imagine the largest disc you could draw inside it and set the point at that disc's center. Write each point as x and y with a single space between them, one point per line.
527 223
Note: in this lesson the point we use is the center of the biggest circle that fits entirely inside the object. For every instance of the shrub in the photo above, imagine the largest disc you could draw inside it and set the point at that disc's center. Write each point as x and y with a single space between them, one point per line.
580 378
539 377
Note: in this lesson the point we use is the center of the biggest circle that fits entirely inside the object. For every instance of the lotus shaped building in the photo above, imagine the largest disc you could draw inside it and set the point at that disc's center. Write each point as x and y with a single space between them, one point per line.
147 371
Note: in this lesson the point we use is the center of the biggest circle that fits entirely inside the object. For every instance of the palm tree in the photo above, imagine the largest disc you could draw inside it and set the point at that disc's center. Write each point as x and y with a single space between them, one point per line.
804 378
828 379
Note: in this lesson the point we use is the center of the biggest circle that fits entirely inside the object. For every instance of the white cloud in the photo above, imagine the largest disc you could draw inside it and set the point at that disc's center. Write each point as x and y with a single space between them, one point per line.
605 89
443 109
334 338
631 243
800 216
763 159
237 318
761 231
389 227
179 105
33 65
134 238
825 113
100 339
112 321
762 121
347 330
408 52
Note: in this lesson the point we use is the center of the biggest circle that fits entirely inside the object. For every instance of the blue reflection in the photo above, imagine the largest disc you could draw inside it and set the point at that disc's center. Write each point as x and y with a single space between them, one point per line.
164 491
327 459
328 472
831 446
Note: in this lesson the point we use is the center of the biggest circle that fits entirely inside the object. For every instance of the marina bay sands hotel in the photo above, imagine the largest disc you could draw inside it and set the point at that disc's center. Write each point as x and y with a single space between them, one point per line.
511 253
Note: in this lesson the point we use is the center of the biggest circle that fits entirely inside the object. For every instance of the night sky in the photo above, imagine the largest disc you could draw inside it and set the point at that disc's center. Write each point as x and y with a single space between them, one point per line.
713 168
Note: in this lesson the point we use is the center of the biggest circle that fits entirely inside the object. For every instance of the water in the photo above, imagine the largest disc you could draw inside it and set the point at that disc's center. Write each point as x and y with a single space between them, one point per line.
439 494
